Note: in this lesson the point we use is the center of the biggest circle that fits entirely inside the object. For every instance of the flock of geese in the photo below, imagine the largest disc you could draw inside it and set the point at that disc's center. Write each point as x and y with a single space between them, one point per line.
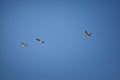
87 35
39 40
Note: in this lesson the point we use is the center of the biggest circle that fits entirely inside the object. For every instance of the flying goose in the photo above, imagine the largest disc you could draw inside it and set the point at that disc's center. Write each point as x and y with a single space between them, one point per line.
87 35
23 44
40 41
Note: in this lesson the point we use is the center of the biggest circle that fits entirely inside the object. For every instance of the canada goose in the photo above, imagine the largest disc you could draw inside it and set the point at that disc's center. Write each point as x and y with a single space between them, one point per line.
87 34
23 44
40 41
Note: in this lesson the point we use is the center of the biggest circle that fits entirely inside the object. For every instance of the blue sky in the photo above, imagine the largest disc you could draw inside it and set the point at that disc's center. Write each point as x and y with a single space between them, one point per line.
66 53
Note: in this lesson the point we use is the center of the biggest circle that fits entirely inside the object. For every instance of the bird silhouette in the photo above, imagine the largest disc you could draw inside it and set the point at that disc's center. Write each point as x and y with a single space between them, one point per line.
40 41
23 44
87 35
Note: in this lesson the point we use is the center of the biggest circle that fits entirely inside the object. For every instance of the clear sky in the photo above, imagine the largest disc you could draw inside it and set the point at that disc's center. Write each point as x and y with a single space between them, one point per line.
66 53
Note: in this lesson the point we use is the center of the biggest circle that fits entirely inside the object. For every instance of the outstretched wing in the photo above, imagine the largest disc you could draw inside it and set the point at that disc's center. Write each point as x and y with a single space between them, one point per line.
90 34
86 32
42 41
38 39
